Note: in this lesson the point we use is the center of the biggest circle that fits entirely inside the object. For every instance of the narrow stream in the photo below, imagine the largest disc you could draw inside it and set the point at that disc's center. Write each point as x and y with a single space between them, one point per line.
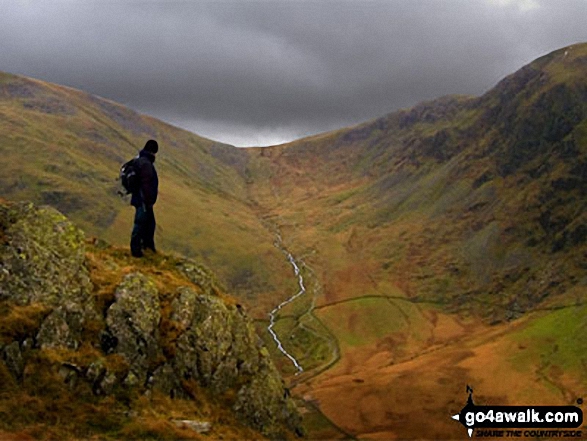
273 314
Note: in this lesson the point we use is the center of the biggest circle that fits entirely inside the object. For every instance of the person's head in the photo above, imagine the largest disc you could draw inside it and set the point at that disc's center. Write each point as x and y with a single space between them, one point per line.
151 146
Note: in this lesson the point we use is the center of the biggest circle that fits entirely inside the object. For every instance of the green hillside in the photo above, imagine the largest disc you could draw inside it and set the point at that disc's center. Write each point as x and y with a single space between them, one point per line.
475 202
64 148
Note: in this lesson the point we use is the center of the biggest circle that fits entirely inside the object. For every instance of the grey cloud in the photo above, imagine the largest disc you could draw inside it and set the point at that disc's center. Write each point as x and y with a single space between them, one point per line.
245 72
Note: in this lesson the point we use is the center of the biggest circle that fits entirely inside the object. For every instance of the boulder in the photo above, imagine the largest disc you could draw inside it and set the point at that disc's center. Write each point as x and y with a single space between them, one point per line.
42 257
264 403
218 345
133 321
42 261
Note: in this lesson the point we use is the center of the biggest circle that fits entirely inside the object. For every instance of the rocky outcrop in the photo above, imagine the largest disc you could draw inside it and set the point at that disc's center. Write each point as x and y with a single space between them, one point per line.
42 257
132 324
43 269
42 265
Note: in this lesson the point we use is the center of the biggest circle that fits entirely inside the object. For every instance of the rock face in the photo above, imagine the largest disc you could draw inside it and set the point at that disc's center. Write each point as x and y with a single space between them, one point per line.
132 324
42 262
43 268
42 257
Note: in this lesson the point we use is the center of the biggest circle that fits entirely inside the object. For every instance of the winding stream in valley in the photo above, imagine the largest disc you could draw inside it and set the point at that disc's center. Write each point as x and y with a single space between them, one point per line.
273 313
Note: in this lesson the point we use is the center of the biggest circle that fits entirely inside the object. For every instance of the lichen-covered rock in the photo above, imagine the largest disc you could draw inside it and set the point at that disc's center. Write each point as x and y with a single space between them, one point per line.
13 359
166 381
265 404
209 337
42 261
199 275
70 373
42 257
141 343
95 373
221 349
62 327
183 307
218 344
133 321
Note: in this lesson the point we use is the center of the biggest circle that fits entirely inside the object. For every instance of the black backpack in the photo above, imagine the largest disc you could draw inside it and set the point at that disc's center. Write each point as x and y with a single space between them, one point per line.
129 176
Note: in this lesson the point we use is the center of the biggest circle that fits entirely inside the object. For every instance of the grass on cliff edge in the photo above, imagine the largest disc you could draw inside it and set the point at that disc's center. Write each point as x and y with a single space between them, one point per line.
49 409
49 405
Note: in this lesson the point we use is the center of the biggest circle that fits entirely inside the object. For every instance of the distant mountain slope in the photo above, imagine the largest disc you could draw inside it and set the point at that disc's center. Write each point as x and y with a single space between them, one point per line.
449 242
470 201
63 147
460 199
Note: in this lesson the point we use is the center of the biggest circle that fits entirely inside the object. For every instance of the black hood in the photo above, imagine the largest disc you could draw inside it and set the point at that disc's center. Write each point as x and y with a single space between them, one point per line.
145 154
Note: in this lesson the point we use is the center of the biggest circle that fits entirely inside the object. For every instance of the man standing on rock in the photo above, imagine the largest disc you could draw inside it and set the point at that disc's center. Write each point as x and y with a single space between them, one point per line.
143 232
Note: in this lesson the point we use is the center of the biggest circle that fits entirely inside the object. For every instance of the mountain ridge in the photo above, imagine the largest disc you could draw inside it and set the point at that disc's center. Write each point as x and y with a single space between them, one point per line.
391 160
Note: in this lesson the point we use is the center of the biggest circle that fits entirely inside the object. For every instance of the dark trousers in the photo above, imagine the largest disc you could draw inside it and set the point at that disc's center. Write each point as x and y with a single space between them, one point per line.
143 231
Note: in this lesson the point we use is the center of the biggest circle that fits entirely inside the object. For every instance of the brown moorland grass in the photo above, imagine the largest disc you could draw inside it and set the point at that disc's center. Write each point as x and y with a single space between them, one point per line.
43 406
376 398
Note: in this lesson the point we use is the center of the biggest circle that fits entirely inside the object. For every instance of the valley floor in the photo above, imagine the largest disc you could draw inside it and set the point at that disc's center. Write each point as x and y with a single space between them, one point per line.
373 394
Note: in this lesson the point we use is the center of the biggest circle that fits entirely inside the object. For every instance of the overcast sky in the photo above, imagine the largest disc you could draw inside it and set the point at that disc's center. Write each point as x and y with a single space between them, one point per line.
266 72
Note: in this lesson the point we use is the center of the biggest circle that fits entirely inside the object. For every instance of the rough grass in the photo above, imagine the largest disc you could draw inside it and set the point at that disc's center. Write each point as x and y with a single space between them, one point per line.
369 394
362 321
370 325
48 405
556 338
18 322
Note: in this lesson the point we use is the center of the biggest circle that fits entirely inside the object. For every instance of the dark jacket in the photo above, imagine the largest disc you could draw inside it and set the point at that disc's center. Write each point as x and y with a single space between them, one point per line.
149 186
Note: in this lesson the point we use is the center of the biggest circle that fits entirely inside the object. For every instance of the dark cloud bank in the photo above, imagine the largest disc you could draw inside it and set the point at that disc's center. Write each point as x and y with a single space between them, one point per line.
263 72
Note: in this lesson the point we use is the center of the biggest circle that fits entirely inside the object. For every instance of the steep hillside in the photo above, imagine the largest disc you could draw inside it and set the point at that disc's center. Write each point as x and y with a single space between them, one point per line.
63 147
470 201
448 245
94 345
